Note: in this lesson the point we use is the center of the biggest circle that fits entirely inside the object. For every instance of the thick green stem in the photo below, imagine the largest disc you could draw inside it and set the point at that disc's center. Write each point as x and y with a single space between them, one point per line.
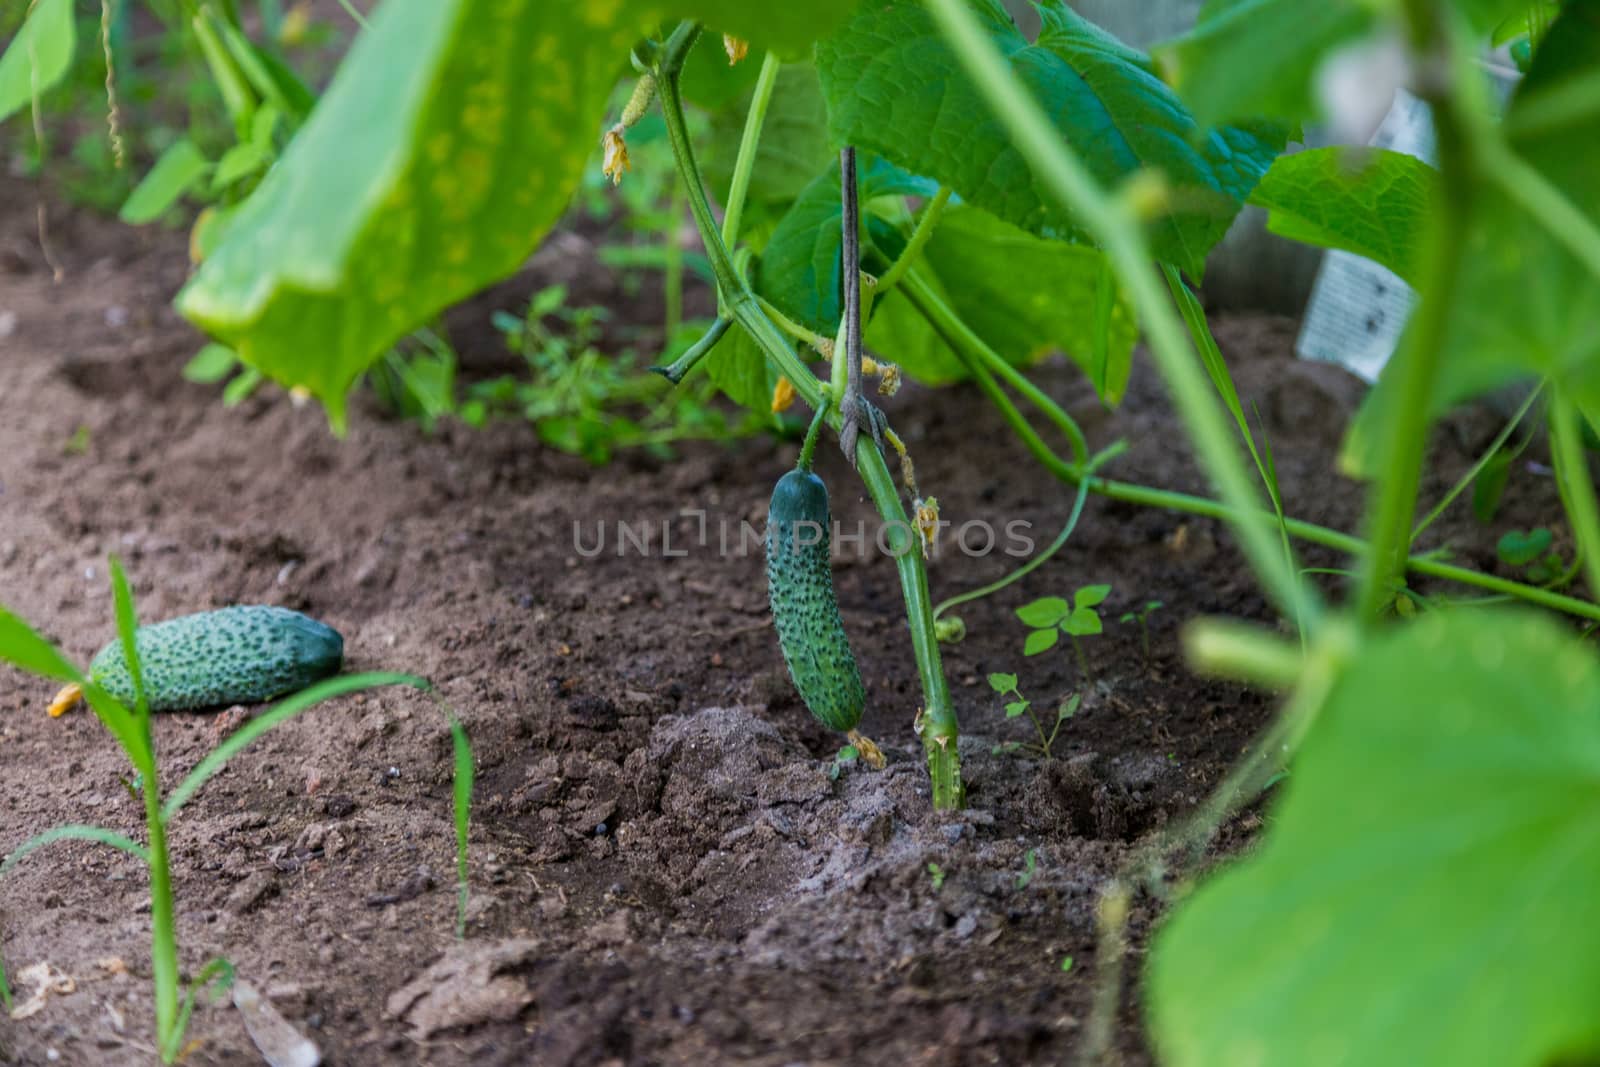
163 926
1118 231
938 720
1394 504
1573 469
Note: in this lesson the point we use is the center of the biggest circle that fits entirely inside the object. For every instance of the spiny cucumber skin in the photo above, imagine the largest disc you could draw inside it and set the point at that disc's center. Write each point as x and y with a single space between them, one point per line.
237 655
804 611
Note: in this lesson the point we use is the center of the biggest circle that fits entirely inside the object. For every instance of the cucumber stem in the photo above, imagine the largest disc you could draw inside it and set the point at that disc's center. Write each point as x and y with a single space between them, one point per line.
808 448
939 726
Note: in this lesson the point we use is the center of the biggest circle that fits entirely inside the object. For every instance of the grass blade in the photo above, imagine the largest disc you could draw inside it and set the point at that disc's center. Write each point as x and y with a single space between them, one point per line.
21 647
461 792
215 978
276 715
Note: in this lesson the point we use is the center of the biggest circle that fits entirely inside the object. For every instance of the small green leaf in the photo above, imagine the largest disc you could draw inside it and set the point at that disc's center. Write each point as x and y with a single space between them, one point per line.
1128 616
1003 683
1015 708
1040 641
1090 596
1066 963
1520 549
240 161
1083 622
1439 830
179 170
38 56
847 754
243 384
1069 707
210 365
1046 611
1369 201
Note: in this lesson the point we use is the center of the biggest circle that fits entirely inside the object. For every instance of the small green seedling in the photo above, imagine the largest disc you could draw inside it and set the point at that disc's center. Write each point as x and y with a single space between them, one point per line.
1030 863
936 874
844 759
128 722
1006 685
1050 617
1142 617
1532 551
1066 963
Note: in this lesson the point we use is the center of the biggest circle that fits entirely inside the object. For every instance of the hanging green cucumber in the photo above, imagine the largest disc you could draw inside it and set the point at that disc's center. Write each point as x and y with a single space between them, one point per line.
237 655
800 588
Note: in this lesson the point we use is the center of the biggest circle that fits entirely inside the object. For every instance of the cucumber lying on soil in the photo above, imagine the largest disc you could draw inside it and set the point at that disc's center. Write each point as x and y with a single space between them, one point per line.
800 588
238 655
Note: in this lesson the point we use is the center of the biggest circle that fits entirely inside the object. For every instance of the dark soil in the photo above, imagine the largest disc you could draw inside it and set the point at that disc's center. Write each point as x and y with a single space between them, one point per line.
663 871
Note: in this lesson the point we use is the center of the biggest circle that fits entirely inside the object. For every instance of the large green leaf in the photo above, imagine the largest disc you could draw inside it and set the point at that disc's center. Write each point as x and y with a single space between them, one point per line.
1258 57
895 88
1071 303
1261 58
1372 202
800 264
1426 890
38 56
447 145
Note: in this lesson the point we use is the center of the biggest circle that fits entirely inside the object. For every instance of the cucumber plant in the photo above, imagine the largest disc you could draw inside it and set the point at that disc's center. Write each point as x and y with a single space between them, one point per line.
232 654
1062 192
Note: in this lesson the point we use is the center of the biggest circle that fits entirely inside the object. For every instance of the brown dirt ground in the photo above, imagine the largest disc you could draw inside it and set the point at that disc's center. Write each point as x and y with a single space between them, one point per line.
662 870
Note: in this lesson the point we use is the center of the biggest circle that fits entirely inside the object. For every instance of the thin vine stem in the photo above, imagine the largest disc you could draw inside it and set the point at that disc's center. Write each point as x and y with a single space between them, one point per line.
962 338
1119 233
1170 500
1055 546
1483 461
926 224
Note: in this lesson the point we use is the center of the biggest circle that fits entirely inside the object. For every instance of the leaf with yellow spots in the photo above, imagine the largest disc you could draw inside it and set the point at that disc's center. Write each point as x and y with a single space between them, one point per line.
1425 892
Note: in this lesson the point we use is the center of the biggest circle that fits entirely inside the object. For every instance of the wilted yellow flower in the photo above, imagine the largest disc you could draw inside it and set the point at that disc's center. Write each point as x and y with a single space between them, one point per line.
888 379
735 48
615 155
927 521
782 396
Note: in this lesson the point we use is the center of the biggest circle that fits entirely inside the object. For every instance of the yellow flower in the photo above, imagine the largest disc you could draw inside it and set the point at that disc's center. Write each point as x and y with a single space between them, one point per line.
615 155
735 48
888 379
782 395
927 522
